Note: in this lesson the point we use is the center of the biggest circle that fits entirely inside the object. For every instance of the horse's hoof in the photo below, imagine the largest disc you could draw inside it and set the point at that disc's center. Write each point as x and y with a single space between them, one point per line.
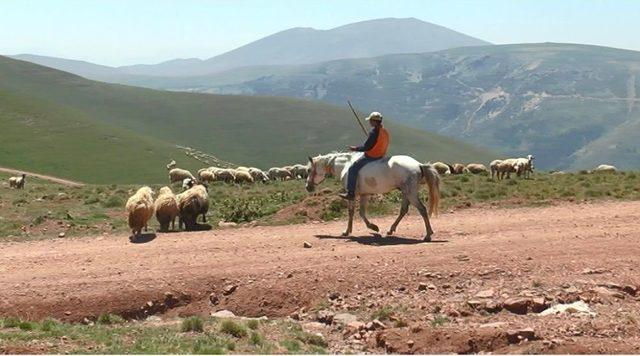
427 238
374 228
344 234
390 233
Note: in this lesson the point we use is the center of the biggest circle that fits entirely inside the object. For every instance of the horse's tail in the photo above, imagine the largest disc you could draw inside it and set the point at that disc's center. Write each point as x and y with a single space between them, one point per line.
430 175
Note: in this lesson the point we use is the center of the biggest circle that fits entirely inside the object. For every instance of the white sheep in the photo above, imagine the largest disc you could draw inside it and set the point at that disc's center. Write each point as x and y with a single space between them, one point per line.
476 168
192 203
493 166
225 175
524 165
442 168
166 206
18 182
140 209
276 173
243 176
606 168
206 176
171 165
258 175
300 171
179 175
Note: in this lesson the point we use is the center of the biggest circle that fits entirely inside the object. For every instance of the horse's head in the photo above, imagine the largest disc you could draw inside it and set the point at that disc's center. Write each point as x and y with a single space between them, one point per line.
317 174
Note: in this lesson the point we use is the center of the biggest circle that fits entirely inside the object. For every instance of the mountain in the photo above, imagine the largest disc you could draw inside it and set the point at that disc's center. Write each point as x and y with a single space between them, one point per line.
56 123
293 46
572 106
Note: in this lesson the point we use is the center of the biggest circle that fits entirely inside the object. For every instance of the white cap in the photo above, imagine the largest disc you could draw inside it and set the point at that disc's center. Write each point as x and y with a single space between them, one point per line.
374 116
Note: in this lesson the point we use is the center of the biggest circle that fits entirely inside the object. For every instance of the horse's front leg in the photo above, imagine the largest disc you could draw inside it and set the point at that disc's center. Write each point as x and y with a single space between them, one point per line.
364 199
351 208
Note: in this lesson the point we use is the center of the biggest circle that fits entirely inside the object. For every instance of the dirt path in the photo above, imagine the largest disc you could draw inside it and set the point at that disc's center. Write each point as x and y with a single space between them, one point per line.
42 176
561 253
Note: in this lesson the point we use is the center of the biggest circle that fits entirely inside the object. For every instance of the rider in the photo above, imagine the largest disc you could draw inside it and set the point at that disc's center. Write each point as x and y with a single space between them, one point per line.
374 148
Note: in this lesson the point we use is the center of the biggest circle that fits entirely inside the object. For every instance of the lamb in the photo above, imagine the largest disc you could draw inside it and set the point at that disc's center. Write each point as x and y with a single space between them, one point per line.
605 168
476 168
458 168
243 176
18 182
171 165
192 203
166 207
140 209
179 175
442 168
276 173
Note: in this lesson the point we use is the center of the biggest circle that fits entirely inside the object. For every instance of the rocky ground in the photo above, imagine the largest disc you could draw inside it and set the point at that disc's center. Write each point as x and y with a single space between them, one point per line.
491 281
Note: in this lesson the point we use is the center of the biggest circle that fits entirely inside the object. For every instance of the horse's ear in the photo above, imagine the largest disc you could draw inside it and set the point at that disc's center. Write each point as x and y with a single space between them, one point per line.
310 159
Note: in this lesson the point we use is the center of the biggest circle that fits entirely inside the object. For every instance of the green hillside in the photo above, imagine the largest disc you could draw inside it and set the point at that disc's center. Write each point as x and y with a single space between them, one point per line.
61 124
573 106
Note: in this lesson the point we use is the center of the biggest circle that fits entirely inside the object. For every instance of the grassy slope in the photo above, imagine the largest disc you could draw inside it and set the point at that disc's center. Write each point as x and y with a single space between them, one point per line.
127 132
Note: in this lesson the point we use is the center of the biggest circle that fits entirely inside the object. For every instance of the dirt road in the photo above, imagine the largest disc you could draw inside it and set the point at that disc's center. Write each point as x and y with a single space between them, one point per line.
561 253
42 176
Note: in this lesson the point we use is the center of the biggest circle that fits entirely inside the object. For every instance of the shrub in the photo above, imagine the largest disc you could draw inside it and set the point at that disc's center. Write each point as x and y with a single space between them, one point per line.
232 328
109 319
192 323
253 324
256 339
113 201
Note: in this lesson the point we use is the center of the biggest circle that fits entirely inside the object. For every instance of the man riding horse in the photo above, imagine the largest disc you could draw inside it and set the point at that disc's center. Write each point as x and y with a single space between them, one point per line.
374 149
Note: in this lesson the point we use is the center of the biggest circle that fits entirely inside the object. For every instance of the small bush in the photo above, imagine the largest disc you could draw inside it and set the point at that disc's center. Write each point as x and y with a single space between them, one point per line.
232 328
382 314
207 347
439 320
292 346
193 323
256 339
114 201
49 325
400 323
11 322
25 325
253 324
109 319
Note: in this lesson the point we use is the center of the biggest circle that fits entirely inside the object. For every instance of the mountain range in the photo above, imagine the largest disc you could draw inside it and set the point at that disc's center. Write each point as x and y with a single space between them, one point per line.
57 123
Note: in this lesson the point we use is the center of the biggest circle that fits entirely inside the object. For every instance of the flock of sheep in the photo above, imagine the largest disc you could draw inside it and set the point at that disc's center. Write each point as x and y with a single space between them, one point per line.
194 200
498 168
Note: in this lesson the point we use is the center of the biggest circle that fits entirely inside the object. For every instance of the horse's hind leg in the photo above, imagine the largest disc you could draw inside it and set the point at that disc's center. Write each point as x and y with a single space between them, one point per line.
364 199
351 208
415 200
404 208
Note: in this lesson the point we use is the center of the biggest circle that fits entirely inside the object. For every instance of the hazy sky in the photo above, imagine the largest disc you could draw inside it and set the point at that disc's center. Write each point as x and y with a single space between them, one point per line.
120 32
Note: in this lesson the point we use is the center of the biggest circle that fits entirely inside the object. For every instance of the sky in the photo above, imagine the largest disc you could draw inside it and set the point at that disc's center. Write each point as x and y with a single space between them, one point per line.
124 32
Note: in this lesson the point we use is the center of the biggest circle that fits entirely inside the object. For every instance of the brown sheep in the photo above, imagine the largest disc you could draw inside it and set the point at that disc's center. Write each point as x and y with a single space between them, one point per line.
140 209
166 207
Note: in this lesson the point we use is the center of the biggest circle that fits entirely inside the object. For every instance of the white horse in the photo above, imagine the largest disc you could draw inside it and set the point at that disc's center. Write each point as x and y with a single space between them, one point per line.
379 177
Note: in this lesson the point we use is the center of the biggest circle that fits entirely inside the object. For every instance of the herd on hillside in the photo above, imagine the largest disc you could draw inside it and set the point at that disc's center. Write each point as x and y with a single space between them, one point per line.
193 201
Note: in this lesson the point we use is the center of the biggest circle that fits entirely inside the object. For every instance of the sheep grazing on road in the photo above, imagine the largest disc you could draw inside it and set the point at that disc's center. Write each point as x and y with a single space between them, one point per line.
243 176
140 209
171 165
605 168
18 182
442 168
457 168
179 175
277 173
476 168
166 207
192 203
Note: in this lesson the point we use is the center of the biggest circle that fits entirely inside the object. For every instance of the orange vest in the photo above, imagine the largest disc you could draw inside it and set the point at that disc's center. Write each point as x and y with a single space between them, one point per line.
379 150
